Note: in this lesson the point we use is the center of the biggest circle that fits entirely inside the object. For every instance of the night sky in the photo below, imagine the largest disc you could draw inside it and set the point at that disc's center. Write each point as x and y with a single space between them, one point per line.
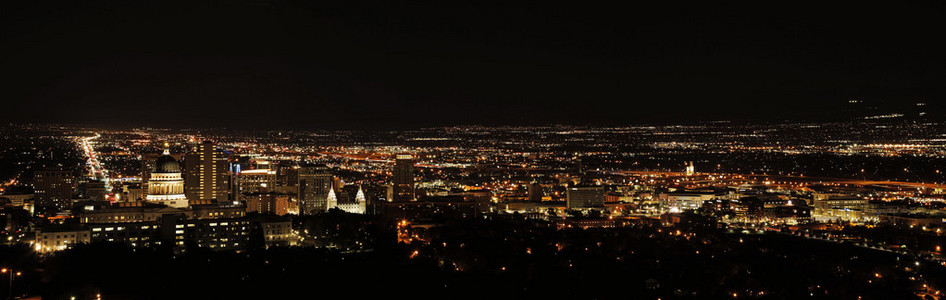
310 65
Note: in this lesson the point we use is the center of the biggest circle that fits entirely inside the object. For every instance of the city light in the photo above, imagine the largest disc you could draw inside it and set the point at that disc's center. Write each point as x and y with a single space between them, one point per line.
261 149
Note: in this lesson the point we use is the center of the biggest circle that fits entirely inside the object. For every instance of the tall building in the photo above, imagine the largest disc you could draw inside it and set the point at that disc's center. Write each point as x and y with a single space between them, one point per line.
54 188
581 166
315 182
404 178
585 196
205 174
166 185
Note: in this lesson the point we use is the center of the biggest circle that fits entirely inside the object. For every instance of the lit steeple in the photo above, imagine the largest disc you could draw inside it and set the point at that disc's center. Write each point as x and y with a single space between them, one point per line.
332 200
360 196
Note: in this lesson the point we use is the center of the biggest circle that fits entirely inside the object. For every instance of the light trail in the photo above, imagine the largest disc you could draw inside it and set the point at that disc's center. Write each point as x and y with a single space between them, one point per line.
96 170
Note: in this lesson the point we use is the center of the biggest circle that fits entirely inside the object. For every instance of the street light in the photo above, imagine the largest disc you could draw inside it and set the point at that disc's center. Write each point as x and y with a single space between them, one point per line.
12 274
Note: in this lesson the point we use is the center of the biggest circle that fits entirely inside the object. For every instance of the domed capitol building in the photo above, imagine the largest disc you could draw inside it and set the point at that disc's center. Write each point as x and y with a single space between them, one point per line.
166 185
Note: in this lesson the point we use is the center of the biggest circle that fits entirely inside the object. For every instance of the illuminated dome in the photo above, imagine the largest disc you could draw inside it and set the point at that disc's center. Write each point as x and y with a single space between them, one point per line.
166 164
166 186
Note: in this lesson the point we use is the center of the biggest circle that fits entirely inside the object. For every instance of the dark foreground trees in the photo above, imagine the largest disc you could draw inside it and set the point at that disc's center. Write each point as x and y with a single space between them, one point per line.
497 258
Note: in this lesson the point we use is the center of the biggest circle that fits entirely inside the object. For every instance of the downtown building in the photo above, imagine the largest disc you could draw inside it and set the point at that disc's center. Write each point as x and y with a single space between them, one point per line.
403 178
581 196
206 174
253 181
315 183
54 188
270 203
55 238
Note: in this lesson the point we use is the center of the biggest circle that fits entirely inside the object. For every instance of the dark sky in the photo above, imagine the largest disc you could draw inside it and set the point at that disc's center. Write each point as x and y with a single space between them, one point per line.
305 64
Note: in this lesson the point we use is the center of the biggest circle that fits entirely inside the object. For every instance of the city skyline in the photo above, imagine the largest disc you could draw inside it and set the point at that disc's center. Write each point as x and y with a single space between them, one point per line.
851 208
269 149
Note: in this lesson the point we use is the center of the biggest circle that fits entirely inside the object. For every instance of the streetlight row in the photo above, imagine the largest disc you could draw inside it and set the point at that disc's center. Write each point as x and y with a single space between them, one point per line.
12 274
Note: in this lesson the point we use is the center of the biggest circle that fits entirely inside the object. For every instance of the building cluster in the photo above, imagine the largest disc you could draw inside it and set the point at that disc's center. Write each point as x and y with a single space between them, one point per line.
210 198
732 199
577 177
183 207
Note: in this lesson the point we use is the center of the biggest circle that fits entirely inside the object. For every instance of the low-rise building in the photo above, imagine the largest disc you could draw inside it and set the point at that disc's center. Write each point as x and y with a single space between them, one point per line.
579 196
277 232
268 203
914 220
680 201
55 238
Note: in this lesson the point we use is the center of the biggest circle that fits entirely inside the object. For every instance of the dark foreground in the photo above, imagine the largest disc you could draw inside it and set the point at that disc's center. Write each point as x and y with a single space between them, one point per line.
499 258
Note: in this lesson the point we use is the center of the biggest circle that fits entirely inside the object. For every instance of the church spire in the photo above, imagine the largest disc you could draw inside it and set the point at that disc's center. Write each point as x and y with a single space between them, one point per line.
361 201
360 196
332 201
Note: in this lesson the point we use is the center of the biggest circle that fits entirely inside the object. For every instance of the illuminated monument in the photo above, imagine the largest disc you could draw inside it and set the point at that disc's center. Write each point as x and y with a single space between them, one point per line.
166 186
359 206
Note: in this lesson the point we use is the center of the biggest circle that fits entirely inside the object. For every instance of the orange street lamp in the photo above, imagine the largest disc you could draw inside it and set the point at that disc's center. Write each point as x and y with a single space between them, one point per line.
12 274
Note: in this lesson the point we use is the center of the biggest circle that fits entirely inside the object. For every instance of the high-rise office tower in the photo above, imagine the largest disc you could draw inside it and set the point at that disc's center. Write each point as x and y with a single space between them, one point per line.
315 182
54 188
404 178
205 174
